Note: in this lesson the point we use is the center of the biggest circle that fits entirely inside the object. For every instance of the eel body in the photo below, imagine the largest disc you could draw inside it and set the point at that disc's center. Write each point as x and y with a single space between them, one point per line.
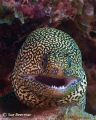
48 70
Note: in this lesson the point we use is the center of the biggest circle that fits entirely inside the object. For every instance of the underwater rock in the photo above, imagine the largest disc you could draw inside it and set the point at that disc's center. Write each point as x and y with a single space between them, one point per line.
88 12
75 113
59 113
91 32
91 88
86 22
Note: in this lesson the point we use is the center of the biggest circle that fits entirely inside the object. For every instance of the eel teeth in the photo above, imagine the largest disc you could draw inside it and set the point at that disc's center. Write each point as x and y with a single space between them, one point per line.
60 88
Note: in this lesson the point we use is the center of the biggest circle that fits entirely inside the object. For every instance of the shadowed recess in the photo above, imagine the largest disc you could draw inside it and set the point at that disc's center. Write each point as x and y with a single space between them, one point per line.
93 34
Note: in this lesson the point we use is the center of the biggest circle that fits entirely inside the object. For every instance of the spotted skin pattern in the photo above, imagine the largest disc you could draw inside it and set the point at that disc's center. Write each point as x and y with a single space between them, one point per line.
62 59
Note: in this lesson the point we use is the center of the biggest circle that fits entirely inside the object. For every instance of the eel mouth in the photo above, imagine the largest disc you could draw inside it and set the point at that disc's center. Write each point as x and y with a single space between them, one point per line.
51 87
56 83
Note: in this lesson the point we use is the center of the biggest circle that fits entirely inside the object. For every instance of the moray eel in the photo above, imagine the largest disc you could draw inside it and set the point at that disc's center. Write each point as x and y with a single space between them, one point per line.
48 70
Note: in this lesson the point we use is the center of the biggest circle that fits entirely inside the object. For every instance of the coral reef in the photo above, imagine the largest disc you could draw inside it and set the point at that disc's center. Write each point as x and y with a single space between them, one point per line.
52 12
86 22
17 110
36 9
75 113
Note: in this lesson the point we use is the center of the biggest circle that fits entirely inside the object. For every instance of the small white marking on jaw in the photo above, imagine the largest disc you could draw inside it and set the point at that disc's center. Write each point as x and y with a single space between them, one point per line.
29 76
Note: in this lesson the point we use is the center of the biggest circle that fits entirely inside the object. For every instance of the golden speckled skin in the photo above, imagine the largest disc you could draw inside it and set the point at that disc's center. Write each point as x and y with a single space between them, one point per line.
63 56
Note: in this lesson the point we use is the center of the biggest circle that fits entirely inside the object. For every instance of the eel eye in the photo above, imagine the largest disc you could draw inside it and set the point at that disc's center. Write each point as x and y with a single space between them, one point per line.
44 62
